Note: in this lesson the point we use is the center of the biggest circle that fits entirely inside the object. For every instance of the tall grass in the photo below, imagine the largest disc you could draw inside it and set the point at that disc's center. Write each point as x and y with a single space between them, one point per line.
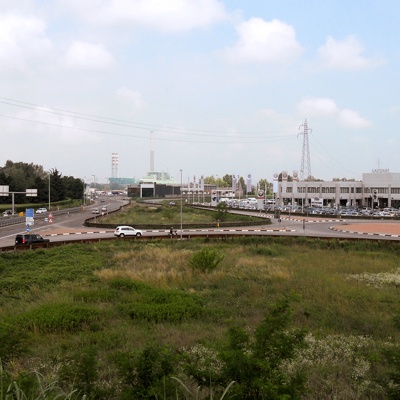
119 298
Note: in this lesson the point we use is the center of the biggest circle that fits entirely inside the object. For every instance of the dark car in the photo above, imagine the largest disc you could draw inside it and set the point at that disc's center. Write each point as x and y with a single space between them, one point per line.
30 238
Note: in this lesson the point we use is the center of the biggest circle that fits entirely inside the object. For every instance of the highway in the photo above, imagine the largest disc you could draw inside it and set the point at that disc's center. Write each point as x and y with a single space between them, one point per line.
69 226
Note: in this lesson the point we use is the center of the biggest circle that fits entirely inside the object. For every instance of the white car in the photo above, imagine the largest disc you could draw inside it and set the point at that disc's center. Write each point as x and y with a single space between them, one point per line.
122 231
95 211
41 210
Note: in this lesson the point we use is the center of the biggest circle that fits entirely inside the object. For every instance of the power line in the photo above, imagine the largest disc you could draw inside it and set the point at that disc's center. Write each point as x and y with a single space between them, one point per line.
130 124
228 139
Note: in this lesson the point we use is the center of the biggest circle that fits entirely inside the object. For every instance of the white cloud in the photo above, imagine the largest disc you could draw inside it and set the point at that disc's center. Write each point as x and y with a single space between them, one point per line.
326 107
266 42
22 39
317 106
132 98
83 55
345 54
352 119
167 16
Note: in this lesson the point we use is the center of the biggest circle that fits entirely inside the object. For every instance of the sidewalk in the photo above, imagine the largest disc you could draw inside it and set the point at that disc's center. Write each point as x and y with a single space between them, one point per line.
372 228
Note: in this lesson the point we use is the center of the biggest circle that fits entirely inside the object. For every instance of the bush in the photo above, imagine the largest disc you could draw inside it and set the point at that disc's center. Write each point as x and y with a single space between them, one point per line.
58 318
10 340
144 373
157 305
254 363
206 259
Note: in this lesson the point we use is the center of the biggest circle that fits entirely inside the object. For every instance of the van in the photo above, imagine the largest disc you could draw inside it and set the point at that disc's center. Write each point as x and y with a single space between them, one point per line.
30 238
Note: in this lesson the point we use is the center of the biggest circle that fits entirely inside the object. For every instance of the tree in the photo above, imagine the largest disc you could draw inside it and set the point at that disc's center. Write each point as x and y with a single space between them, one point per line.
219 182
228 180
57 189
21 176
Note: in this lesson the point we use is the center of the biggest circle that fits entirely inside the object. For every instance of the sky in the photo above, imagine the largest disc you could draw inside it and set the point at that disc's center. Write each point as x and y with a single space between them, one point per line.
223 87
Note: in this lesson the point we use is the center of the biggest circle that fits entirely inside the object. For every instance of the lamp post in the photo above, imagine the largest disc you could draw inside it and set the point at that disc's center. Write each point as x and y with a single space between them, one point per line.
181 204
49 190
84 190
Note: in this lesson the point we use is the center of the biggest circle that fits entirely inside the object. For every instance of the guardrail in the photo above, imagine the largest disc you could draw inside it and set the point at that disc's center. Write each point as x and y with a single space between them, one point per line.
14 220
204 236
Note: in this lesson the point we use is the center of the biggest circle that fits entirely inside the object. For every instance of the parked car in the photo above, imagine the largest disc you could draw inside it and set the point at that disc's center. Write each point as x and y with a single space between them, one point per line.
41 210
121 231
7 213
30 238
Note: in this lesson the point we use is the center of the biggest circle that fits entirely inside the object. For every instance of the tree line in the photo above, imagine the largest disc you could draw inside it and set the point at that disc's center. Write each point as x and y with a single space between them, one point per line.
20 176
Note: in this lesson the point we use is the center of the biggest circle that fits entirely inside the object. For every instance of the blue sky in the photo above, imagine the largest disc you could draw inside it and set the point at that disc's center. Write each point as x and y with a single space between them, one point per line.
223 85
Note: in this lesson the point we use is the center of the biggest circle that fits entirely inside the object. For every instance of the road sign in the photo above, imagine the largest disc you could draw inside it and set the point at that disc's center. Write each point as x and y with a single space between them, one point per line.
31 192
4 190
29 221
29 212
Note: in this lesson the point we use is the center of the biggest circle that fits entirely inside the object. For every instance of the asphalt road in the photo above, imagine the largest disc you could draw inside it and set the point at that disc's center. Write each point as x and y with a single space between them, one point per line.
68 226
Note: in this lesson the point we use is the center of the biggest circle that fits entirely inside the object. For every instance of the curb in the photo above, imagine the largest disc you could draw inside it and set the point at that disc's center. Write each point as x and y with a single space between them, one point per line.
365 233
166 231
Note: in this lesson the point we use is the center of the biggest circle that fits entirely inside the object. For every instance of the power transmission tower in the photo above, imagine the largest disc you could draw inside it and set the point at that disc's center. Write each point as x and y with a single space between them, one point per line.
305 169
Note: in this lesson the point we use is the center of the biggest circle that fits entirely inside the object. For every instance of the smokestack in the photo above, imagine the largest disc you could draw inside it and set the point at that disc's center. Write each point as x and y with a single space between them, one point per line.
114 165
151 151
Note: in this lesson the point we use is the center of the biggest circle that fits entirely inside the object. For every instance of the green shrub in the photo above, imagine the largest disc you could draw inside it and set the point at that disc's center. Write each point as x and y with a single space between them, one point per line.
144 373
266 251
221 212
82 369
165 306
254 363
206 259
58 318
11 339
95 296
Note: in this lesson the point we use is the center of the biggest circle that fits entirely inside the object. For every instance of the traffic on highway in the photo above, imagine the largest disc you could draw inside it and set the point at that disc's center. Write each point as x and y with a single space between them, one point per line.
68 225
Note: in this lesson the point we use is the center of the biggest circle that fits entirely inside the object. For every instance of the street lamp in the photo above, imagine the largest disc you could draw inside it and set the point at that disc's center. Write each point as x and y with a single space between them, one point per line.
49 189
181 204
84 191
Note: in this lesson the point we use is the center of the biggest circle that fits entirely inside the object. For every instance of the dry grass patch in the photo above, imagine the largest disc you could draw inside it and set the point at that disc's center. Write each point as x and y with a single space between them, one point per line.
260 267
163 267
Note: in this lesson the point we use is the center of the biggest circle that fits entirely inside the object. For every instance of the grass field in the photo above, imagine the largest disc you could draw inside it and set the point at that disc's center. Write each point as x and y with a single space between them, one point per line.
131 319
139 214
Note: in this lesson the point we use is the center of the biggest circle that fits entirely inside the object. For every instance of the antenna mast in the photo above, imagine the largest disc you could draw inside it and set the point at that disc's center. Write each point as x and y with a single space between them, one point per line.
305 169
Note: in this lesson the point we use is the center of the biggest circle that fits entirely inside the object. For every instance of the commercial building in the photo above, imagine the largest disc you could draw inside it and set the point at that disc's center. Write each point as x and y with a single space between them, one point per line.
377 189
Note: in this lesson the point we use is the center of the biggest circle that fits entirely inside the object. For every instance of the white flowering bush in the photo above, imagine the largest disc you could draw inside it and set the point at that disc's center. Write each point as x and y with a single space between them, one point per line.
201 363
336 367
378 280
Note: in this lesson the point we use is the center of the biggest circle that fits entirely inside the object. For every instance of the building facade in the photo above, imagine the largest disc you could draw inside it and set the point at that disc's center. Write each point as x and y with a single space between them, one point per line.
378 189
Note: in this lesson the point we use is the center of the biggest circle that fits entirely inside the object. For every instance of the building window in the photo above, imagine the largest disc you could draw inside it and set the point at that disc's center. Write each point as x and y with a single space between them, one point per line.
289 190
344 190
395 191
313 190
